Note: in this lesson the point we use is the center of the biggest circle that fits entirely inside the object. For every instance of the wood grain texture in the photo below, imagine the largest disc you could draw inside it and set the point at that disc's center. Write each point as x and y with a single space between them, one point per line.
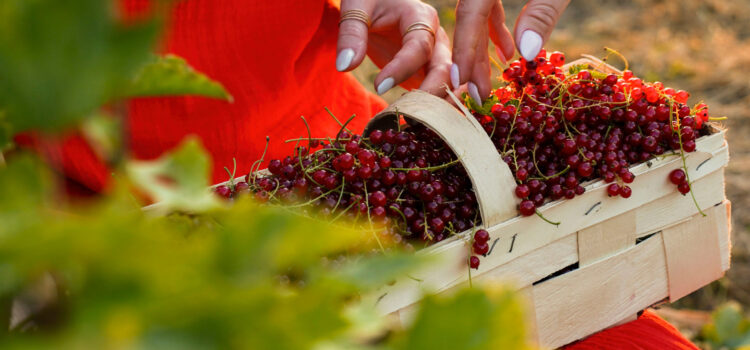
693 252
605 239
595 297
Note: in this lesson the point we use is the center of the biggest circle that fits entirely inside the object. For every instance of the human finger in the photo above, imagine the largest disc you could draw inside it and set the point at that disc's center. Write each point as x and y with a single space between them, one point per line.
535 24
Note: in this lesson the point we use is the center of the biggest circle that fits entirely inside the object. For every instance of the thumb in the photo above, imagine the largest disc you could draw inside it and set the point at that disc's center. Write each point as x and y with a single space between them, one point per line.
535 24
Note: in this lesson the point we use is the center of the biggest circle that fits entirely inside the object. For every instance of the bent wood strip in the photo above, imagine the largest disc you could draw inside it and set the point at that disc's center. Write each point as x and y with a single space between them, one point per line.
493 182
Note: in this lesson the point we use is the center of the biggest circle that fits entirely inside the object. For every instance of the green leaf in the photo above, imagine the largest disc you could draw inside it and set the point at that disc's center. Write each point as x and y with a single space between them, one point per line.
60 60
575 69
485 108
373 272
729 328
471 319
103 132
6 134
171 75
177 181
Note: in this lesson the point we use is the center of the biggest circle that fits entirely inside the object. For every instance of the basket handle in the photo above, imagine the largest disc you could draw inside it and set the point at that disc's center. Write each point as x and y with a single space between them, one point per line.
493 181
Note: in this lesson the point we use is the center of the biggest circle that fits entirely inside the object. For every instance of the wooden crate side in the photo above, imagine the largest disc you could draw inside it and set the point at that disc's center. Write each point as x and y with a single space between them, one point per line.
587 300
605 239
693 252
564 250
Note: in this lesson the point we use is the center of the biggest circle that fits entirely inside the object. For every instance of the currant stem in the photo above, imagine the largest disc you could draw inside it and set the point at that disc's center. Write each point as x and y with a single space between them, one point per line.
547 220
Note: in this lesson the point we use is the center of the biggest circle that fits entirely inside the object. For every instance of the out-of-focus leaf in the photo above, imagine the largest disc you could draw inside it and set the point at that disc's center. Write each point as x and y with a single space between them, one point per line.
485 108
373 272
171 75
275 239
470 319
729 328
6 134
60 60
104 134
178 180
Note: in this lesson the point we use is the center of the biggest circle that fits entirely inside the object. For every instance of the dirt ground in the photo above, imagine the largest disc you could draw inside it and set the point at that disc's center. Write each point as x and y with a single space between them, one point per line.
702 46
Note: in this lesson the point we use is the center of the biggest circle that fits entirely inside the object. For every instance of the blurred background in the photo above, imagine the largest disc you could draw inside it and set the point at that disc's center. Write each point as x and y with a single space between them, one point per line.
702 46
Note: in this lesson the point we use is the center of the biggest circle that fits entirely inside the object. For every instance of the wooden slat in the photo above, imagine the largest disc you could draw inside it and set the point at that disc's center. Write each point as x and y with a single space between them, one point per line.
708 192
595 297
532 332
536 265
605 239
693 252
725 237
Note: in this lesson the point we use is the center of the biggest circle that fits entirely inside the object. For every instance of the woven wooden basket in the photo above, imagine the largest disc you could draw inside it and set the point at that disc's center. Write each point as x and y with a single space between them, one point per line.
608 259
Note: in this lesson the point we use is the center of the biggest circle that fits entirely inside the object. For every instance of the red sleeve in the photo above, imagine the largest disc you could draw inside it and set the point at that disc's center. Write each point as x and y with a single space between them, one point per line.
72 156
648 332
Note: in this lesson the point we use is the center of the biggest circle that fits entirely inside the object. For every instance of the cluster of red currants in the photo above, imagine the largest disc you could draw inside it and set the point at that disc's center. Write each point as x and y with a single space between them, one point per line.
557 130
409 180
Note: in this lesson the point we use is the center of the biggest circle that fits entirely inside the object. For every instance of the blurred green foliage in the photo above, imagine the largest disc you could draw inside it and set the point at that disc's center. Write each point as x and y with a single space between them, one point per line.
60 60
729 329
190 272
171 75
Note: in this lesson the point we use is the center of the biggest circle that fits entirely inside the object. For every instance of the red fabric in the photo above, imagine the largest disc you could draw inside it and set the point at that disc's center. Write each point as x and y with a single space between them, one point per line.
648 332
277 59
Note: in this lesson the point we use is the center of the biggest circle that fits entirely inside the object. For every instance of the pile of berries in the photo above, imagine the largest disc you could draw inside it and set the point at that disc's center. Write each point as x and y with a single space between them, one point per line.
407 180
556 130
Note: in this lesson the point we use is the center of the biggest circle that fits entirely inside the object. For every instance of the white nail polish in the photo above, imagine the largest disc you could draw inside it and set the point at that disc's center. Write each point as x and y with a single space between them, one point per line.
454 76
474 92
344 59
385 85
531 43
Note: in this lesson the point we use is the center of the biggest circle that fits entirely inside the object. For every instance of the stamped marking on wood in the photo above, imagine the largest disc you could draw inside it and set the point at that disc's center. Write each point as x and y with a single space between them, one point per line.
492 247
380 298
703 162
512 243
592 208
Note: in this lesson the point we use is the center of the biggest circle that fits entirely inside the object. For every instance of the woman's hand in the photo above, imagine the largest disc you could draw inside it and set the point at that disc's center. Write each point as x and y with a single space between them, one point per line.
477 21
419 57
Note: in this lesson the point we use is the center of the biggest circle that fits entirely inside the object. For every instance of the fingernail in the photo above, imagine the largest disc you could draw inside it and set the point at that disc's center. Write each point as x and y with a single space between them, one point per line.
454 76
474 93
385 85
501 55
531 43
344 59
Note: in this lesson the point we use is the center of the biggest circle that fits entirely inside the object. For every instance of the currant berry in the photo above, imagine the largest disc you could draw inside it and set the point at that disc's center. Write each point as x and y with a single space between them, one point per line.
677 176
481 236
474 262
527 207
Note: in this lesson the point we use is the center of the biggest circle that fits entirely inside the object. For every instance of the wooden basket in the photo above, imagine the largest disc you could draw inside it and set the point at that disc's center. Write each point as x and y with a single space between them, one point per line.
608 259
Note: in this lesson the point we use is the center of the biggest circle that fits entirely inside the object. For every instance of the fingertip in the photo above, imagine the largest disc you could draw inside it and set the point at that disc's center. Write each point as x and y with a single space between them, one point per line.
385 85
474 92
455 76
530 44
344 59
